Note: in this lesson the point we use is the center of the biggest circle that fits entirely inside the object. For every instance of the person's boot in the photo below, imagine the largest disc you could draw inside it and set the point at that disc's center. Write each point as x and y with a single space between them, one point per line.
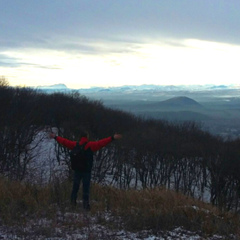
73 203
86 206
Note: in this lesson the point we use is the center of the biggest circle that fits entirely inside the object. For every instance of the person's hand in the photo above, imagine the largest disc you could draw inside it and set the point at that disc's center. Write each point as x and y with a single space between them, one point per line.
117 136
52 135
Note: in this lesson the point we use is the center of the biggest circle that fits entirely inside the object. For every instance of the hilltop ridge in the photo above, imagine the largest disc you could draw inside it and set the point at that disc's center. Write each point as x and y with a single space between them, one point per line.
181 101
143 87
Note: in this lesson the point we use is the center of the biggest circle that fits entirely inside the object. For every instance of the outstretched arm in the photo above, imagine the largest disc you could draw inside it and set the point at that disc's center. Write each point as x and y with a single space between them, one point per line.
65 142
95 146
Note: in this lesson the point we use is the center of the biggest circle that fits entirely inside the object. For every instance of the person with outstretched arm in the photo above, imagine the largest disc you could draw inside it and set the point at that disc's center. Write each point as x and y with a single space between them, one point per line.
84 175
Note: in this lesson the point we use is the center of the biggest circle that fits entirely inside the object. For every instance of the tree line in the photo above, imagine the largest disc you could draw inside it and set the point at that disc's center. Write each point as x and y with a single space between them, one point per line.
152 153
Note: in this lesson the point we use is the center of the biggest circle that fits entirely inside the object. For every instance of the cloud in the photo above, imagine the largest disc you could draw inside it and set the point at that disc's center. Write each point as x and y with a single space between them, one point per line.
40 23
14 62
120 40
93 47
7 61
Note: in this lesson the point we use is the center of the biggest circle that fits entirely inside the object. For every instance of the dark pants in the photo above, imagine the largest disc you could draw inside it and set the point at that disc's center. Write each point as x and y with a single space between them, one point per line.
86 179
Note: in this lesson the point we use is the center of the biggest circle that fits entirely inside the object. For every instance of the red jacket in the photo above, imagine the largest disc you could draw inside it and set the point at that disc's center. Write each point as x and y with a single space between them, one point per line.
93 145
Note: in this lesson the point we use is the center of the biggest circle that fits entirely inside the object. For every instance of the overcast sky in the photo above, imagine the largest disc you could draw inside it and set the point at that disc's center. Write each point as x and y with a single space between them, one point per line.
84 43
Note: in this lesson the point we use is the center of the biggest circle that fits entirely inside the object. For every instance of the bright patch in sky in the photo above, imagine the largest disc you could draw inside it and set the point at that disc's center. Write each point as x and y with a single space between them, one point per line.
166 62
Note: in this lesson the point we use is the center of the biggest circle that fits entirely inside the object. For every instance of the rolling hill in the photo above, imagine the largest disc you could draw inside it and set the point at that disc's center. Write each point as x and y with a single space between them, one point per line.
179 103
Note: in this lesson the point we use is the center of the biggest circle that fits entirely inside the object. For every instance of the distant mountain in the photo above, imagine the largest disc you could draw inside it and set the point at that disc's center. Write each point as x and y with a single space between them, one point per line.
180 102
220 87
140 88
174 109
55 86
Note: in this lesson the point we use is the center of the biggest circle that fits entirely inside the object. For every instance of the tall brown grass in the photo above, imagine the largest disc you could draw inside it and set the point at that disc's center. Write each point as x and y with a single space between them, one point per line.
156 209
18 201
160 209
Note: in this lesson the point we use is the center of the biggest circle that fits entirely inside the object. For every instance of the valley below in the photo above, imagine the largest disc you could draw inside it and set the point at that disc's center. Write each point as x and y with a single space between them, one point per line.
216 111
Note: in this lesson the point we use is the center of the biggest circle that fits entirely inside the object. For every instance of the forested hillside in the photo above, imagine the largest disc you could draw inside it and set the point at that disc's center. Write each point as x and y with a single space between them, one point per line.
152 153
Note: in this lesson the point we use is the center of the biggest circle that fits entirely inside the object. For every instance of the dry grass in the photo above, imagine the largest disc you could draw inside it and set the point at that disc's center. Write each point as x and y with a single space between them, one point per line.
155 209
19 200
159 209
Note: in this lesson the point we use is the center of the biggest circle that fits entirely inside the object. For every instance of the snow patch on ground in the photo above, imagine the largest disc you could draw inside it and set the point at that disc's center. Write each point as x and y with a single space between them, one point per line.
84 226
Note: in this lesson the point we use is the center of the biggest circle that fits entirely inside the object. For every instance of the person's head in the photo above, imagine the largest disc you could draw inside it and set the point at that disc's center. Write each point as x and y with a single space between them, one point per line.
84 133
